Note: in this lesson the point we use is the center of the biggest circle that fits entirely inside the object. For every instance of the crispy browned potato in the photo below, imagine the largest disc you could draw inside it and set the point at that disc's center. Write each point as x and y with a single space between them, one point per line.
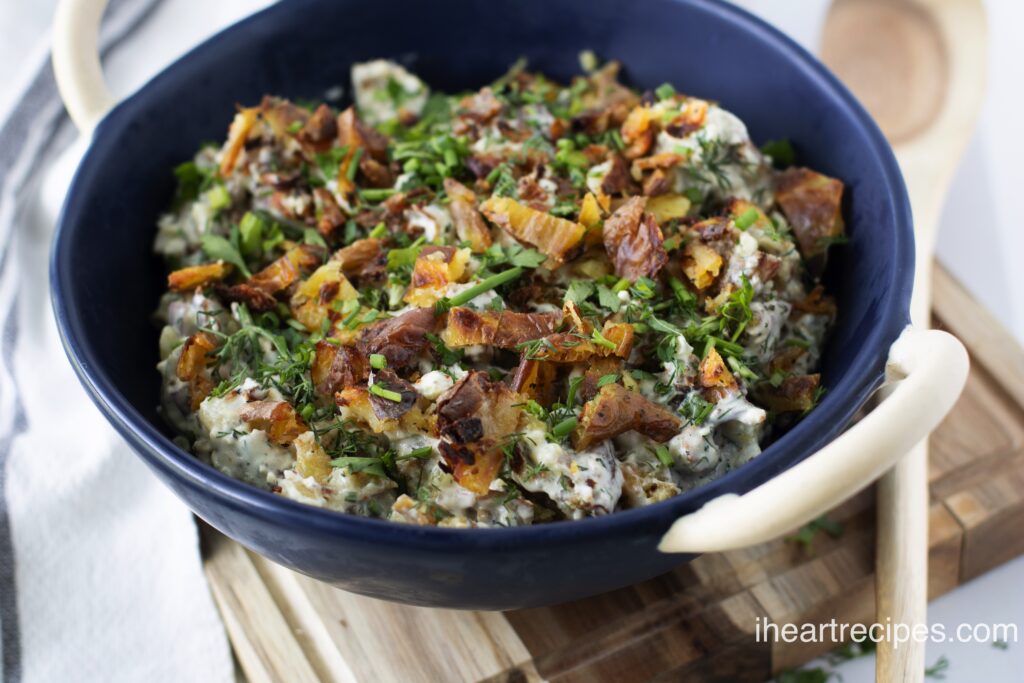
187 279
616 410
701 264
634 241
559 239
572 347
595 370
277 418
385 408
812 203
336 367
794 394
357 256
192 363
638 132
311 303
238 133
310 458
714 373
469 224
402 339
330 217
284 271
503 329
434 270
535 379
473 419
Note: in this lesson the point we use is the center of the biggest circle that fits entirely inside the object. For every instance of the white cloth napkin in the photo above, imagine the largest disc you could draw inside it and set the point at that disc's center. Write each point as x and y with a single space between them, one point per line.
100 574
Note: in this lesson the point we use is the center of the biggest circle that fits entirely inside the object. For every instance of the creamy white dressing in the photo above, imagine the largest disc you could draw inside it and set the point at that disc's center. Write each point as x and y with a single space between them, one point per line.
371 81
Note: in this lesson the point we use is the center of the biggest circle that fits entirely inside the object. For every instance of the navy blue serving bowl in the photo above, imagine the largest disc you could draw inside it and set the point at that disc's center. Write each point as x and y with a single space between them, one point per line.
106 280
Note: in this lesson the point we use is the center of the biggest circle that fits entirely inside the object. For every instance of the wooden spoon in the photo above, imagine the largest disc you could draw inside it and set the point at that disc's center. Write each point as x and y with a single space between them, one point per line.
919 68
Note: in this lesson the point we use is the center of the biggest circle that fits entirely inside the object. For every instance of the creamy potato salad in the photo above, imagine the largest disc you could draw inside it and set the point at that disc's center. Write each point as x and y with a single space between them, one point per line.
528 303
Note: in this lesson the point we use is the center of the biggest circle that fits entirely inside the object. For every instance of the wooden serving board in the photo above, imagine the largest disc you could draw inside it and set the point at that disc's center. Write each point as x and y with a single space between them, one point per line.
695 623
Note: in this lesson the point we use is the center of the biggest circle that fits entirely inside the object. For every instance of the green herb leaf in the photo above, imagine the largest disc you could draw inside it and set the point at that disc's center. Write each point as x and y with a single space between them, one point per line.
218 248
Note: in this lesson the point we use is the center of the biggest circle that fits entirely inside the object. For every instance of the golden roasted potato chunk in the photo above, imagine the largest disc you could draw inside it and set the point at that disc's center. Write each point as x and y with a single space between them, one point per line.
701 264
812 203
277 418
469 224
573 347
634 241
238 133
668 206
310 458
474 418
557 238
616 410
336 367
714 373
187 279
311 303
795 394
535 379
357 256
358 404
191 368
503 329
434 270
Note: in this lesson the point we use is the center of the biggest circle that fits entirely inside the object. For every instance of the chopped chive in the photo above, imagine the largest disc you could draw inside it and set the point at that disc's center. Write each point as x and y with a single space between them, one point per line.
747 218
599 338
379 230
476 290
353 165
421 452
218 197
665 91
622 285
564 428
377 361
387 394
376 194
794 341
664 456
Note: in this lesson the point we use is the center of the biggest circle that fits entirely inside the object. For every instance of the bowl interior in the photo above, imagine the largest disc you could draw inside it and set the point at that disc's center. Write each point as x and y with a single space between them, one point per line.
107 280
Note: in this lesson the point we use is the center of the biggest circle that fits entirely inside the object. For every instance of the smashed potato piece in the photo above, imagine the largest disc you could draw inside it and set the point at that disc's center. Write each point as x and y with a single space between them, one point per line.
474 418
402 339
559 239
595 370
701 264
469 224
355 403
572 347
336 367
714 373
284 271
311 303
667 207
634 242
535 379
795 394
192 363
503 329
617 410
238 133
187 279
638 133
812 203
357 256
435 269
310 458
277 418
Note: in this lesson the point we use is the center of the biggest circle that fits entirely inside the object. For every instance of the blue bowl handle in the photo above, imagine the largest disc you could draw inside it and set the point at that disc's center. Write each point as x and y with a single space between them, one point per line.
926 371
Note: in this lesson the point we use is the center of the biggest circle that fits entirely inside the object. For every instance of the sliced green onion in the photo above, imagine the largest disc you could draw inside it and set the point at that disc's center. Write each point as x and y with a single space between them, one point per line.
665 91
377 361
664 456
476 290
622 285
218 197
599 338
387 394
564 428
376 194
747 218
353 166
379 230
422 452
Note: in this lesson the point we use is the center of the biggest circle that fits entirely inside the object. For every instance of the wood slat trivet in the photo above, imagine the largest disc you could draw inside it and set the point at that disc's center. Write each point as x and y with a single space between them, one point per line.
695 623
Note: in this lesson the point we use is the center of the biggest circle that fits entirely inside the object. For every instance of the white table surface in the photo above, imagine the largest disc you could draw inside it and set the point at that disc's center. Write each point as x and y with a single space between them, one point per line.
981 238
